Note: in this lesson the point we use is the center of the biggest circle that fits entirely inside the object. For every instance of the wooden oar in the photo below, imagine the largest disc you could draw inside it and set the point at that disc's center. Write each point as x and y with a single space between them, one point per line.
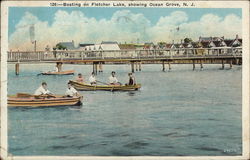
40 73
24 95
103 82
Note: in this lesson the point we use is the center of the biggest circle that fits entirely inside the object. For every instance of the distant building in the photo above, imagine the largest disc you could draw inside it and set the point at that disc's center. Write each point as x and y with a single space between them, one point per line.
127 46
148 45
108 45
208 39
237 42
66 45
104 46
81 46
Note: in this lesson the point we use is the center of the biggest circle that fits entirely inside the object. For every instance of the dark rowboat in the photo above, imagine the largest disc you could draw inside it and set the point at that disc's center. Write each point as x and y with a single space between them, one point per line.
87 87
32 101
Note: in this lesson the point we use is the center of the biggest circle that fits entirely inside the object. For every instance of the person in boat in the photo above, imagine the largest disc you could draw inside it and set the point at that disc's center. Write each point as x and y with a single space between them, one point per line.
43 91
56 68
92 79
71 91
131 79
80 78
113 80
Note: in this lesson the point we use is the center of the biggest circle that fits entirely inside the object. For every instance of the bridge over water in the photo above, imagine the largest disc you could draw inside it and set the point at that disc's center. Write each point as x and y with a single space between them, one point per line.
134 57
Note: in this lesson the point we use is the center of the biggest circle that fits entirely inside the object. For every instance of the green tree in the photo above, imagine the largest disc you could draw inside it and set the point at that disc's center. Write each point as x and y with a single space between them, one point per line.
60 46
188 40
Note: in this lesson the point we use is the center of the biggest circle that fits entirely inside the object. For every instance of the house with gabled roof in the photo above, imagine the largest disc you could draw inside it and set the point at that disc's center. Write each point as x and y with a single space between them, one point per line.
208 39
236 42
170 46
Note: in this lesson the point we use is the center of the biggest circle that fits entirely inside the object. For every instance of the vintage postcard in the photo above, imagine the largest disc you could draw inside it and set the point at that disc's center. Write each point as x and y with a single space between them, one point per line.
124 79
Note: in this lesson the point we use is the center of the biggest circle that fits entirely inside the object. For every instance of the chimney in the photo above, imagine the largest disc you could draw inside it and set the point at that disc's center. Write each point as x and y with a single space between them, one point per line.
222 38
181 41
237 36
173 42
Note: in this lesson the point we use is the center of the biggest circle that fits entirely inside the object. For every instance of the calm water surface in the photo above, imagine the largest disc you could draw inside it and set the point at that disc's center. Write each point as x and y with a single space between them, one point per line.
182 112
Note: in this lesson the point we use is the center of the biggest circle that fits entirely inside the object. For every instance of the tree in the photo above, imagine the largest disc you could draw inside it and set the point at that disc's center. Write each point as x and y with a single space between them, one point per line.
60 47
188 40
161 44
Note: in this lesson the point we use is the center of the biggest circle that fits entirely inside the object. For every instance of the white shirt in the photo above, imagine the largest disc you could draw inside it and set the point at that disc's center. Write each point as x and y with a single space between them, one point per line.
92 79
70 91
41 91
113 79
56 69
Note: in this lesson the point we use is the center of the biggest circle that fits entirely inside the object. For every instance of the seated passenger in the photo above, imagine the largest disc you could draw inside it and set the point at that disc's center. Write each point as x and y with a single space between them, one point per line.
80 78
113 80
92 79
71 91
131 79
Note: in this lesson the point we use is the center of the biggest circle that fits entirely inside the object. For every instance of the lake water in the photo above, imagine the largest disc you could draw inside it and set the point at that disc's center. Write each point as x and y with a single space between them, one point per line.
177 113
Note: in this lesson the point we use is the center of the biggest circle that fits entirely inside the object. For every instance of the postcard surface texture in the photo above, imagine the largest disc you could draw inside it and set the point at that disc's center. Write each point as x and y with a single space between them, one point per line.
124 80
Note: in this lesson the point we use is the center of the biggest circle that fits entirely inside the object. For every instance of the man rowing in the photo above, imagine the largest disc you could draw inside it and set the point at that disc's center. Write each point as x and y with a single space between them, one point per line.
42 91
113 80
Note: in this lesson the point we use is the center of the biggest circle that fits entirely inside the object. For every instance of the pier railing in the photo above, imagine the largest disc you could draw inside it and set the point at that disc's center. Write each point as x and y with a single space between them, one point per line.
14 56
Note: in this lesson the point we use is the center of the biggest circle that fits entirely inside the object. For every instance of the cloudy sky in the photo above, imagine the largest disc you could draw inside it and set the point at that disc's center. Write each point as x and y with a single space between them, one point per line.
85 25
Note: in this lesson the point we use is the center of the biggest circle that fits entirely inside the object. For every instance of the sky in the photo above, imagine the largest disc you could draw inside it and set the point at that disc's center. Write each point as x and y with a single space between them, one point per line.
130 25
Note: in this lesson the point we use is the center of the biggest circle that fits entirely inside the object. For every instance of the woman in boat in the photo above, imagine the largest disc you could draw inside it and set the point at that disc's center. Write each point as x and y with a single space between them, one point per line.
113 80
71 91
43 91
92 79
80 78
131 79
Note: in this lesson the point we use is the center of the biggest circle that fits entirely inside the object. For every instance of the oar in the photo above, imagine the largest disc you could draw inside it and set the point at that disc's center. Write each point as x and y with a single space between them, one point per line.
102 82
24 95
40 73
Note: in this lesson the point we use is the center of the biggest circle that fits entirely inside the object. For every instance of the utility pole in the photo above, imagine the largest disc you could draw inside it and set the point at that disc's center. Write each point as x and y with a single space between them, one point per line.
35 45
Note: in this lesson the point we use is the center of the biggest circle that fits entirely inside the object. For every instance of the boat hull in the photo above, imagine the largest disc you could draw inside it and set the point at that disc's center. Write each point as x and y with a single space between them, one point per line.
43 102
69 72
87 87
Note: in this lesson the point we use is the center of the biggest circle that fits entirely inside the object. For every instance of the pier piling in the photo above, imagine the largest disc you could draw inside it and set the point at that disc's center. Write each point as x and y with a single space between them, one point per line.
139 66
136 66
163 66
95 67
169 66
237 61
231 64
193 65
222 63
201 65
100 67
17 68
132 67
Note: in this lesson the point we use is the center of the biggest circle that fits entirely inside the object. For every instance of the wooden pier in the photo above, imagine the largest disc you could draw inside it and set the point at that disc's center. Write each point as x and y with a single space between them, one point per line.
136 58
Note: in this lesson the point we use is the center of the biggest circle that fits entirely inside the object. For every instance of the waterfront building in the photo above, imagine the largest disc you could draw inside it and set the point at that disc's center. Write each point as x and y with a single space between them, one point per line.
67 45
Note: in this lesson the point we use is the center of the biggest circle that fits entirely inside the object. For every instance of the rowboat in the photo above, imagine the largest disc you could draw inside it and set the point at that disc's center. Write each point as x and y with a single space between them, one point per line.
33 101
87 87
59 73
